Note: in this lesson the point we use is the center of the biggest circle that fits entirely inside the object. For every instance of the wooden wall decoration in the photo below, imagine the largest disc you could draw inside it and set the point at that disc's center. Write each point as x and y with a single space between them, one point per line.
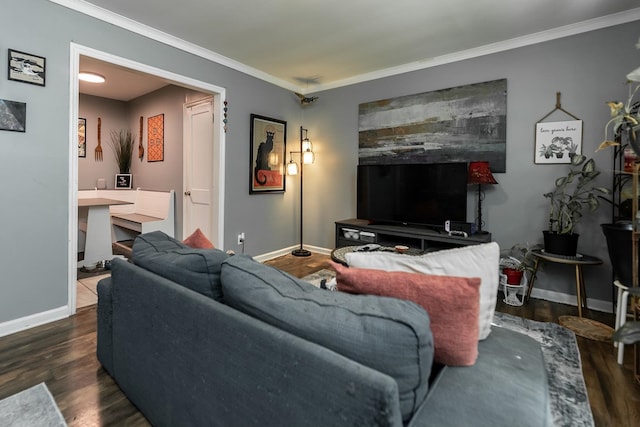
155 138
460 124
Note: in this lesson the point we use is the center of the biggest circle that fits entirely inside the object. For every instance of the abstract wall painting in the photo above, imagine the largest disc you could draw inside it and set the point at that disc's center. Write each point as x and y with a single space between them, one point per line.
13 115
459 124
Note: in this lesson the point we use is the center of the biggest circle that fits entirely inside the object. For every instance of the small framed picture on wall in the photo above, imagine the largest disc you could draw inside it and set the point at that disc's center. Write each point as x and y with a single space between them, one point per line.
123 181
26 68
82 137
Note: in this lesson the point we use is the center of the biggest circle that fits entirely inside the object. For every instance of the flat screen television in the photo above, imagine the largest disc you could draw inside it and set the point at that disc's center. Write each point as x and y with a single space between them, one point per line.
413 194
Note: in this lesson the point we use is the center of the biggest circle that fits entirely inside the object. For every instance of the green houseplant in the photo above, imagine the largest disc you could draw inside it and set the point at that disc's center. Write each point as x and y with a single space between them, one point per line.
122 143
625 116
517 261
572 193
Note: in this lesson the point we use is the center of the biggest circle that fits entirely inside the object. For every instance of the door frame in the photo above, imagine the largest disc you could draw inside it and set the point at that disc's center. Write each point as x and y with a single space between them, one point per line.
219 95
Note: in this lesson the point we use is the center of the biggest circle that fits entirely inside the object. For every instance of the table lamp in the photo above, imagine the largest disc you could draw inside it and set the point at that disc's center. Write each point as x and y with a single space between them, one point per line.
480 173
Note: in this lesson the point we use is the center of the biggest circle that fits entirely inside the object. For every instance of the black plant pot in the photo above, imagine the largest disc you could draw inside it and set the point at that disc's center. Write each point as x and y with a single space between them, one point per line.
619 246
561 244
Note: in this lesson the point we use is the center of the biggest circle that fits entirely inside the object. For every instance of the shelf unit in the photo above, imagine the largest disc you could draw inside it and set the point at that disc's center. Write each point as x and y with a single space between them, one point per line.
620 181
635 175
354 232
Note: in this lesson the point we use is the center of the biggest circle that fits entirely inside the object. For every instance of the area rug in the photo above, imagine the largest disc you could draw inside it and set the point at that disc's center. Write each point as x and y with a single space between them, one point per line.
33 407
317 277
567 390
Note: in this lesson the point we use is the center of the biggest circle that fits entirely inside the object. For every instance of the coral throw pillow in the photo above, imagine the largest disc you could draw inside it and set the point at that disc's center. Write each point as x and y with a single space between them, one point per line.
198 240
481 261
451 302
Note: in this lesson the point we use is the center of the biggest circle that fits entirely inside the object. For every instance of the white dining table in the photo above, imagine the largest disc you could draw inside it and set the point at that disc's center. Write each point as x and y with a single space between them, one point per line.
98 239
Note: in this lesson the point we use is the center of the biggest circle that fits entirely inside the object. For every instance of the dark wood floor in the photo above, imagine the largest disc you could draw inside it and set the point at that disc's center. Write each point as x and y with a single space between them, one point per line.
62 354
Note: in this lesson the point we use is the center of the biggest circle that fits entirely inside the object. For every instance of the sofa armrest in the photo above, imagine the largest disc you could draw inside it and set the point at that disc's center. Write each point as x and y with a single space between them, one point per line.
507 386
104 349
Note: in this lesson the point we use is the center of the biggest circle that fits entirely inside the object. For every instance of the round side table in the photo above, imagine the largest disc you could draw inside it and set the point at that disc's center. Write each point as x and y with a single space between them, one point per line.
576 261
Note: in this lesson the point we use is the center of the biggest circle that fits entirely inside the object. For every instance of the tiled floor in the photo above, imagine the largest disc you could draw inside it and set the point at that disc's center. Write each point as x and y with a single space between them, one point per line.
86 291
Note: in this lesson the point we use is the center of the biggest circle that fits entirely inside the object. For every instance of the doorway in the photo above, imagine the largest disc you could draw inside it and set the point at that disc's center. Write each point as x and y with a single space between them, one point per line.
199 178
216 164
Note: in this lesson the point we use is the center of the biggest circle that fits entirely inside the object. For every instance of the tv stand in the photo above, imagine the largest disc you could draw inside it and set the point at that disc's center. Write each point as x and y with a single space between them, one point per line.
354 232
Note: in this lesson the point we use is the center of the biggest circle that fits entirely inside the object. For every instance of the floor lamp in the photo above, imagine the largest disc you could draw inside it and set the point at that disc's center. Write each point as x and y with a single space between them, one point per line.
307 157
480 173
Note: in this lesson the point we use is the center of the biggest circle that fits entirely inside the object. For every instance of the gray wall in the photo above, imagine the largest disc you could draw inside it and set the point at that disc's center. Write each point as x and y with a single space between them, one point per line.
34 259
588 69
114 116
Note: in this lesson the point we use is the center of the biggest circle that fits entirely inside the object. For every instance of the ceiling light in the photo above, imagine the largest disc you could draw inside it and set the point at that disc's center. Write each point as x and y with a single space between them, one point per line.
91 77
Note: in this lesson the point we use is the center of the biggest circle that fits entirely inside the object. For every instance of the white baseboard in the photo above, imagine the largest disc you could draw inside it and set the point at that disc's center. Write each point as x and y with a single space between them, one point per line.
553 296
28 322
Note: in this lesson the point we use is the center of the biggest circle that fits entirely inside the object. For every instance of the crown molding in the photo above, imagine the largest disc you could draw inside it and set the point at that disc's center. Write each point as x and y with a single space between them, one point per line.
540 37
531 39
162 37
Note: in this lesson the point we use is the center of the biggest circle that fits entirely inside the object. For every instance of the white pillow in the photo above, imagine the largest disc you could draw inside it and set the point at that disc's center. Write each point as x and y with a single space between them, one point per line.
467 261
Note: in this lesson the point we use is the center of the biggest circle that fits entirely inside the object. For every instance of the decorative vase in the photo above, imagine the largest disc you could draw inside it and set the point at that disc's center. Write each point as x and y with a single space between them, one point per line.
561 244
514 277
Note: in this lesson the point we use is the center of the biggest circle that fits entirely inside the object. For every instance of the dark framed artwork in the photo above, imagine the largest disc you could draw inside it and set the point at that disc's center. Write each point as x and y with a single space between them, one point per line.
459 124
26 68
155 138
82 137
123 181
268 151
13 115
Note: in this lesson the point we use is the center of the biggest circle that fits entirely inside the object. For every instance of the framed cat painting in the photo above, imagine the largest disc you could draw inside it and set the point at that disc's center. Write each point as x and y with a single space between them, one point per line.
268 153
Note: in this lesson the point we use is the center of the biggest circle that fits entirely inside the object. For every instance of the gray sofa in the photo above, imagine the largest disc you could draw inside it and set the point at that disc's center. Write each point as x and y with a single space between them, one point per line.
197 338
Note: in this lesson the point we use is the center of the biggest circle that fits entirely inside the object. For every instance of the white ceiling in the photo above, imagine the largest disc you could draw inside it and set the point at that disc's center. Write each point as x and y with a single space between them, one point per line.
309 45
122 84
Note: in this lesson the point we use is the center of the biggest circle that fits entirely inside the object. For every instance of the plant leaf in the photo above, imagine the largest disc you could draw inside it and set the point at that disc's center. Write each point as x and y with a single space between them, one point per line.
605 144
629 333
634 76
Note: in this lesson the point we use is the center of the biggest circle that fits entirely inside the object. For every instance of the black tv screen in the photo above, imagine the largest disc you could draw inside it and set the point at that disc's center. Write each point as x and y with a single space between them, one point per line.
413 194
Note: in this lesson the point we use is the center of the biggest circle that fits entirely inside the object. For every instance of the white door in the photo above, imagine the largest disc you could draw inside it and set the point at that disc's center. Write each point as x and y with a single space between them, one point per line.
199 194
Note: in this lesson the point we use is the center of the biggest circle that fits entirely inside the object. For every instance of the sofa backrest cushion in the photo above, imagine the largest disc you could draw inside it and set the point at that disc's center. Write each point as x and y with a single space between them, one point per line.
387 334
469 261
196 269
451 302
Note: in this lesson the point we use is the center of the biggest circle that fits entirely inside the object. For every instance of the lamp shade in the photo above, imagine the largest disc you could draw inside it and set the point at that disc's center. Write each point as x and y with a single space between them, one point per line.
292 168
308 157
480 173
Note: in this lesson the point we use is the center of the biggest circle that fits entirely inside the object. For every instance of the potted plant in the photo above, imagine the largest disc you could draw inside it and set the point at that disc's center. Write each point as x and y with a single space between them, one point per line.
573 148
625 116
516 261
122 143
571 194
546 151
